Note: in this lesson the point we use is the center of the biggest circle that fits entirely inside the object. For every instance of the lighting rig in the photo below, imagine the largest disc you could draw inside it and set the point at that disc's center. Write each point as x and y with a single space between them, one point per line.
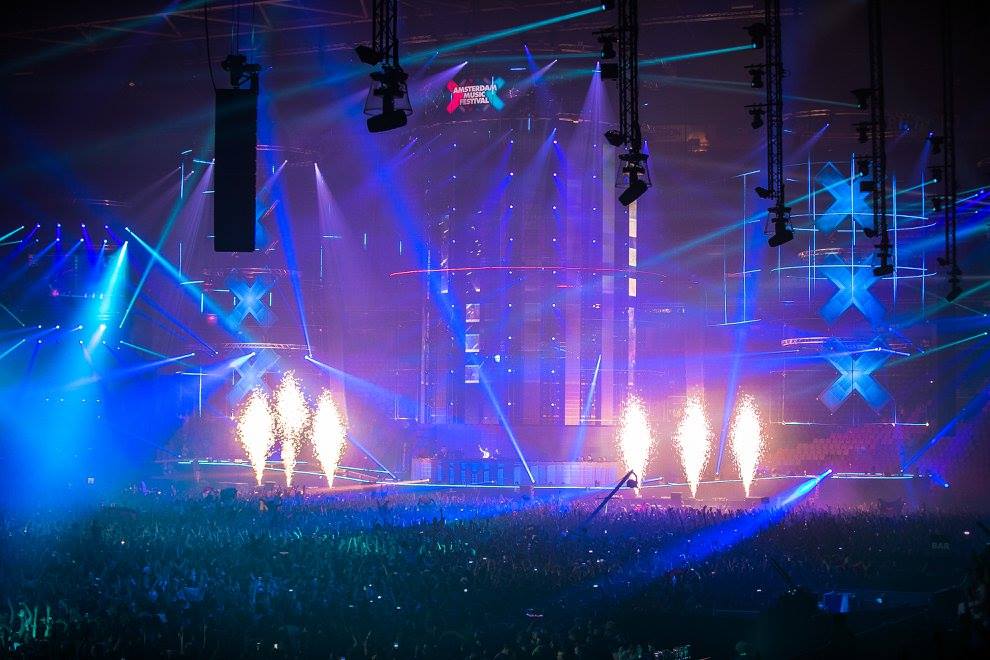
770 76
626 71
874 131
388 99
945 173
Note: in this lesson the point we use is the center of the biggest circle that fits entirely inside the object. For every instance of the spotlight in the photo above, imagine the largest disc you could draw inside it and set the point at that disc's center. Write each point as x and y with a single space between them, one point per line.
863 131
863 166
607 39
883 270
937 203
635 168
608 5
615 138
757 34
937 141
936 173
610 71
942 261
781 235
954 292
870 232
755 75
756 112
863 96
389 94
781 216
368 55
631 482
764 193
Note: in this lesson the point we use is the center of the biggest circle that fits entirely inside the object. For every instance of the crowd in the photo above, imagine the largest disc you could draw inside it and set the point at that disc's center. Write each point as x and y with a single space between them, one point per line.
434 574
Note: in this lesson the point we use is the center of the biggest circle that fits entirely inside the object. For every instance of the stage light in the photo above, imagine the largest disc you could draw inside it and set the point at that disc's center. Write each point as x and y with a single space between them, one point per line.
870 232
368 55
756 112
635 190
863 96
883 270
936 173
757 34
755 75
764 193
388 100
863 166
781 216
781 235
607 39
862 131
936 141
608 5
610 71
937 204
615 138
954 292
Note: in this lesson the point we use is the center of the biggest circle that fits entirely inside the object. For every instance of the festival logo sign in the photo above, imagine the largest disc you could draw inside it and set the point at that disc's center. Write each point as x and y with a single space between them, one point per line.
473 93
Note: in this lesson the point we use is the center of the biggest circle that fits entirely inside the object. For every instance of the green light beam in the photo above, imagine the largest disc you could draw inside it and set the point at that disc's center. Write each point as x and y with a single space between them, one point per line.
937 349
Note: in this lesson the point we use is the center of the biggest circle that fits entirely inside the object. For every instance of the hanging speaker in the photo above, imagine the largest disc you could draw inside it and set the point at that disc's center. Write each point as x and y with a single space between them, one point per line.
234 178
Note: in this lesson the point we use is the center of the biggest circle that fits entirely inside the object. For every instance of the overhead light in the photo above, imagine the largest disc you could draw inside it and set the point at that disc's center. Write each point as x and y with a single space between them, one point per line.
936 173
635 190
883 270
936 141
607 39
756 112
368 55
755 75
610 71
781 235
757 34
937 203
608 5
638 176
863 166
388 100
615 138
781 216
863 131
863 96
764 193
870 232
954 292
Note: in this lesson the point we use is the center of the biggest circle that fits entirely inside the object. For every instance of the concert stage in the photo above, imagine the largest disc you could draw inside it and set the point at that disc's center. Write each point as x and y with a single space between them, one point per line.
890 492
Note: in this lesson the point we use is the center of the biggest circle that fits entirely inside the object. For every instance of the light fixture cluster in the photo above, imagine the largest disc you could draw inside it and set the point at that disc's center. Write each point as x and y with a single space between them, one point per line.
388 99
622 64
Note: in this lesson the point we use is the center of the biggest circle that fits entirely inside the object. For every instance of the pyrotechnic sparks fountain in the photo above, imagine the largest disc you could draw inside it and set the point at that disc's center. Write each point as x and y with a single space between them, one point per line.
256 431
329 434
693 441
293 415
747 439
635 438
